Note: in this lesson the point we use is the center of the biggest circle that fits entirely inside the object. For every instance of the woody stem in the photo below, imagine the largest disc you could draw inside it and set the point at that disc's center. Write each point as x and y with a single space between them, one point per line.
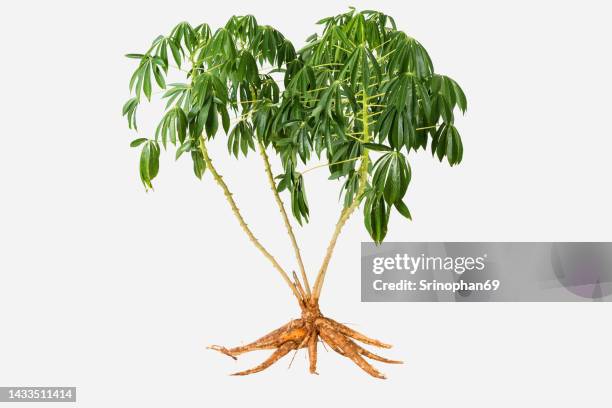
347 211
281 207
230 199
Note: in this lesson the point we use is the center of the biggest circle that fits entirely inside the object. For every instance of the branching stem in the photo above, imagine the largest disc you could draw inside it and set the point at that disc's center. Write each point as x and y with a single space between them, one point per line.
347 211
281 207
230 199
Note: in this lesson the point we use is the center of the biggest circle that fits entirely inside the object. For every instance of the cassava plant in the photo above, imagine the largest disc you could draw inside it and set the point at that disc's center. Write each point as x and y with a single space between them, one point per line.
361 93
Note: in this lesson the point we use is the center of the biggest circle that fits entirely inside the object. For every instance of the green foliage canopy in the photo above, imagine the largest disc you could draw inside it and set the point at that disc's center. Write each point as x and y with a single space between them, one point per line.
361 87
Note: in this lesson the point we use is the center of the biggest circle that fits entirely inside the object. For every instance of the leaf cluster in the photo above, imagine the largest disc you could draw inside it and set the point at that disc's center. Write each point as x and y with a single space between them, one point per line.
360 94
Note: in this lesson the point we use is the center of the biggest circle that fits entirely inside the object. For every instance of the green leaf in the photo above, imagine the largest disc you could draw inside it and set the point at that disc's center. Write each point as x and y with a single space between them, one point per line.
460 96
153 160
149 163
176 53
299 203
129 110
138 142
146 81
377 147
391 176
376 217
183 148
212 121
181 125
135 79
199 165
159 77
145 155
402 209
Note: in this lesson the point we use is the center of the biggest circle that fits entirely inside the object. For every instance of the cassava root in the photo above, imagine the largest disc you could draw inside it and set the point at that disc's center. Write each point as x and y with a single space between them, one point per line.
305 333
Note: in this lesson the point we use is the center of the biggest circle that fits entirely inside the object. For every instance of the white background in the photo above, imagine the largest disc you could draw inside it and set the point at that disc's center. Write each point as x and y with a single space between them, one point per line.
117 292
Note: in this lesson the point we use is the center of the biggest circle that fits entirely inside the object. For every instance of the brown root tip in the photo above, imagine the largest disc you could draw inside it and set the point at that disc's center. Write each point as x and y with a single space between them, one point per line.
222 350
376 357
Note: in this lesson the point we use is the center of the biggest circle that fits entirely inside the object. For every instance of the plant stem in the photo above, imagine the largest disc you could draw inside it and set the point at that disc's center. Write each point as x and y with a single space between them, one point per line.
228 195
426 127
281 207
347 211
330 164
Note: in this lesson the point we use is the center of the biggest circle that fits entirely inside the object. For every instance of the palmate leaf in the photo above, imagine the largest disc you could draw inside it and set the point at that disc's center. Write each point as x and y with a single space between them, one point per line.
141 78
247 68
395 127
163 45
407 55
129 110
361 94
179 93
241 139
184 35
172 127
391 176
243 27
449 90
446 142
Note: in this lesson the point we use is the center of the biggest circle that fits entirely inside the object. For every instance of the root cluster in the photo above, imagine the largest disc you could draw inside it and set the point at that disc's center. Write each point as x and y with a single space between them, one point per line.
306 332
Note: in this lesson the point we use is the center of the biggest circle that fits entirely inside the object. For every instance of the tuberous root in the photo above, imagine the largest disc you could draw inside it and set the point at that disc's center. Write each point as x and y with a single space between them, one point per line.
306 333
